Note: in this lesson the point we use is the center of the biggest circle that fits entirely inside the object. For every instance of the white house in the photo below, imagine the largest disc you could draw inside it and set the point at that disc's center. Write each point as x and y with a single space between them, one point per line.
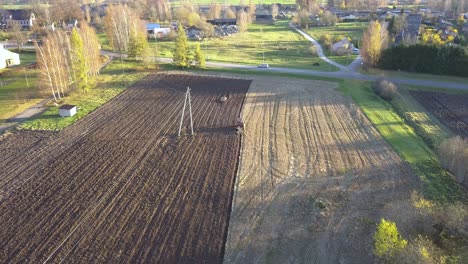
8 58
67 110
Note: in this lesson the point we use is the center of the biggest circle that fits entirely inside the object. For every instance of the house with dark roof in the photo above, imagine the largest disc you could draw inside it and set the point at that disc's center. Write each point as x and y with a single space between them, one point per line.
222 21
412 29
24 18
465 28
263 16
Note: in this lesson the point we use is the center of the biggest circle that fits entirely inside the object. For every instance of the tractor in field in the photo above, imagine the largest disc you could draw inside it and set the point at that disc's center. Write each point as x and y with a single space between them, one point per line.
239 125
223 98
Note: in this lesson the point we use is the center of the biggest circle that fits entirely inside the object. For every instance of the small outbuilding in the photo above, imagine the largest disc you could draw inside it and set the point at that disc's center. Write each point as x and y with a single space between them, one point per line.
8 58
67 110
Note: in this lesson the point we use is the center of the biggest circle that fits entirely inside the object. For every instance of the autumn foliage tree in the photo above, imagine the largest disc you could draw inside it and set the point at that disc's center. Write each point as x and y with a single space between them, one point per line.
387 239
374 41
78 63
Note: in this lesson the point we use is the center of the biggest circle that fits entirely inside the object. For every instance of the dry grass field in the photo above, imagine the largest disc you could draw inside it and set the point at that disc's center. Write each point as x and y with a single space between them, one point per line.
315 176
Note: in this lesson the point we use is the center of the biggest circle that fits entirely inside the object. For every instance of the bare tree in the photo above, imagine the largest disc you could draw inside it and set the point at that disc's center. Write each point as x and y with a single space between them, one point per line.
252 10
242 20
62 10
162 9
274 10
18 34
119 21
214 11
91 49
54 64
229 13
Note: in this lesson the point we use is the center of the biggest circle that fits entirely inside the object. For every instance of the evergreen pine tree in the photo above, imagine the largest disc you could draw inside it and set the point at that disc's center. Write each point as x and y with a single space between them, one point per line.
181 51
199 57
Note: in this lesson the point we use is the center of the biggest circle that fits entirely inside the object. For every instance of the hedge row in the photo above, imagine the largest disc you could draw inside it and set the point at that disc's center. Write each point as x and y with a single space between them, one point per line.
443 60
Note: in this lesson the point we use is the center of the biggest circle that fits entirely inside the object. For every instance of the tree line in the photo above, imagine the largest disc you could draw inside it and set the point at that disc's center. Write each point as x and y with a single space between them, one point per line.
68 61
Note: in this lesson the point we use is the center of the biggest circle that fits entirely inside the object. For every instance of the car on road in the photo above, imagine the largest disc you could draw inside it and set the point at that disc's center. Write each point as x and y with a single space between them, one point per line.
264 66
356 51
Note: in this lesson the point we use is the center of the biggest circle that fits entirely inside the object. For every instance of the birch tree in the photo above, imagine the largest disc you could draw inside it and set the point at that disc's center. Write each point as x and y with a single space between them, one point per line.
91 49
53 64
119 21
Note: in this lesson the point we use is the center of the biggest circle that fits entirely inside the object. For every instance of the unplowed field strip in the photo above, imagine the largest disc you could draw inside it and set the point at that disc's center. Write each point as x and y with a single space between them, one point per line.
314 173
118 186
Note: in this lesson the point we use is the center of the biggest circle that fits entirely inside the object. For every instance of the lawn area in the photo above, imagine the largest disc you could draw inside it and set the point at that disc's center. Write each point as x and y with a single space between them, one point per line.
414 75
27 56
114 79
16 94
407 143
104 41
351 30
343 60
282 46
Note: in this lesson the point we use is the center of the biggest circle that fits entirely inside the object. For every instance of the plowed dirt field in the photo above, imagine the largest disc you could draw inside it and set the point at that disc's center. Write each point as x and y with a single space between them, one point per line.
118 186
450 109
315 176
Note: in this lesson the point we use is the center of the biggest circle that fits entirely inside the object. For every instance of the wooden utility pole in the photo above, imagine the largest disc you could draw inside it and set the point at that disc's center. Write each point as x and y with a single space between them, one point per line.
189 99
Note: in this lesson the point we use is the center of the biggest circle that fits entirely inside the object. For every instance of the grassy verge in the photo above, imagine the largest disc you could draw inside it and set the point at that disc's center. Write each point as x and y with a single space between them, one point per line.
343 60
281 46
113 80
27 57
438 183
17 91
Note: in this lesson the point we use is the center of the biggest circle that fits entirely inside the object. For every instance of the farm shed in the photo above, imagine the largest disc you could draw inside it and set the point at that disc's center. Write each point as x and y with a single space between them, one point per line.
8 58
67 110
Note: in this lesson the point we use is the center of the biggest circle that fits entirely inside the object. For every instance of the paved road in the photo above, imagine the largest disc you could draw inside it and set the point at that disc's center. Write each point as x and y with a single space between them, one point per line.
320 53
338 74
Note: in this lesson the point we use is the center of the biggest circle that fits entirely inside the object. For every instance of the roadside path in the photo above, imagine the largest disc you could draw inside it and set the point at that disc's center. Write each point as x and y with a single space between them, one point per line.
352 75
28 113
320 53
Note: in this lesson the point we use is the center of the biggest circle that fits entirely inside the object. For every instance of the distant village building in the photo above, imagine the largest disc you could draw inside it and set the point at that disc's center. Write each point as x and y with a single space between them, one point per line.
8 58
465 28
263 16
154 30
72 23
342 47
412 30
24 18
223 21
